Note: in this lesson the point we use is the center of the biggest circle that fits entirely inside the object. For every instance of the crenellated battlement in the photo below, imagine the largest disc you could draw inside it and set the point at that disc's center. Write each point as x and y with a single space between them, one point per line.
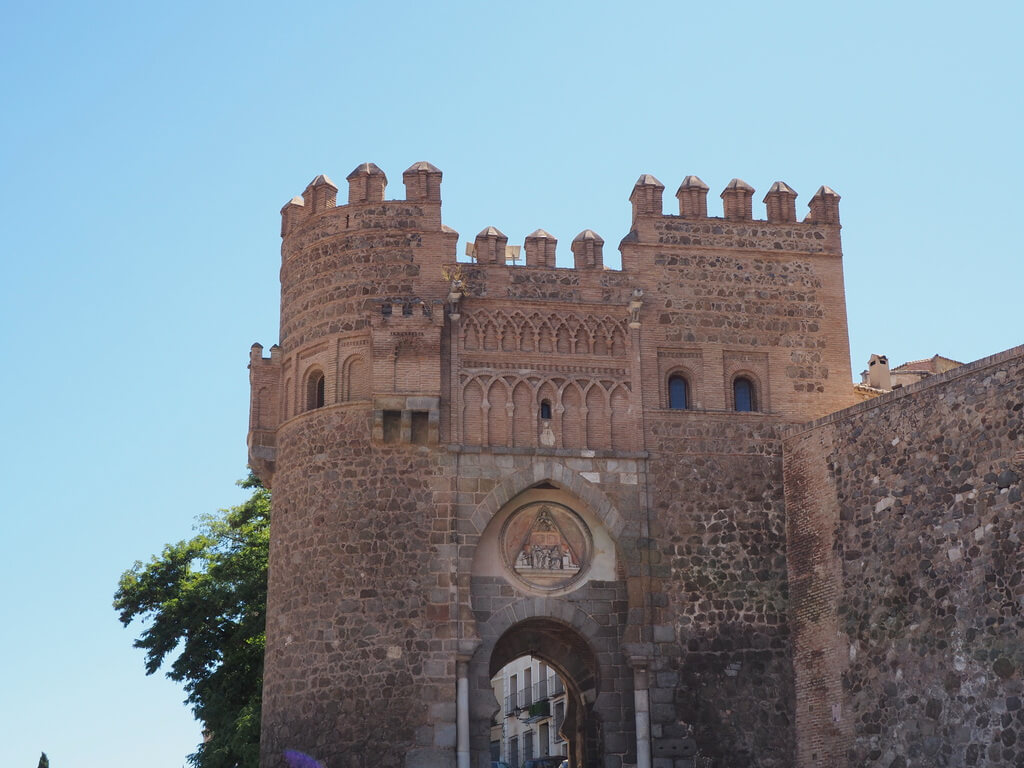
367 184
367 209
737 201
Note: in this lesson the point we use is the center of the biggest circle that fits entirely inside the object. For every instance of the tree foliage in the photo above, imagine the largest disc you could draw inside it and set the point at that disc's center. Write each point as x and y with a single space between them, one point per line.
204 604
44 761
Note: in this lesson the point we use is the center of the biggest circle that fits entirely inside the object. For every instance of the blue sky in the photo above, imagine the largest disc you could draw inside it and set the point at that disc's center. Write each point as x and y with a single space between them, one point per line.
146 149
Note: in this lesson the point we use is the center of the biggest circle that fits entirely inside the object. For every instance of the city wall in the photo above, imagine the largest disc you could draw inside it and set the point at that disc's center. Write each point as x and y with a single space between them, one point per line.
906 572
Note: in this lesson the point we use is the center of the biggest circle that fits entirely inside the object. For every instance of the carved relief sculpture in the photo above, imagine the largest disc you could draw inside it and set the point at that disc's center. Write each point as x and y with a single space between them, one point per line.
546 546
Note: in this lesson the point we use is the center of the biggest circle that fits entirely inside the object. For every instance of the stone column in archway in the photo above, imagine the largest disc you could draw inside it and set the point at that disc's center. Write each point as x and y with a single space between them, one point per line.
642 707
462 713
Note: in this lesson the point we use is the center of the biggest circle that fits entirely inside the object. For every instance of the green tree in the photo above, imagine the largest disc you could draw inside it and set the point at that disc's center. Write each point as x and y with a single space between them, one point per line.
204 604
44 761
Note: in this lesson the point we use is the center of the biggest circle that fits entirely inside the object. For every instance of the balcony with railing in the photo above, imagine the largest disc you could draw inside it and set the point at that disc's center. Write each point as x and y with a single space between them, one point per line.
548 688
532 701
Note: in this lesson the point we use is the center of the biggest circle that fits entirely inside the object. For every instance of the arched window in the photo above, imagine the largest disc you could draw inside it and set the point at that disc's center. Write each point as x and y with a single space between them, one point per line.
678 393
743 394
545 409
315 391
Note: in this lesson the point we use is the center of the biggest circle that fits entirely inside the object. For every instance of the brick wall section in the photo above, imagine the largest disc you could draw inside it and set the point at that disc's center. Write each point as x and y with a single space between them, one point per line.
906 555
815 582
343 259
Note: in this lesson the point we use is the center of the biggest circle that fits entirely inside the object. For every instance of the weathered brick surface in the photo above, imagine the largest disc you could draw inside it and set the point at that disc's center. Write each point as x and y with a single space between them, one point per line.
906 562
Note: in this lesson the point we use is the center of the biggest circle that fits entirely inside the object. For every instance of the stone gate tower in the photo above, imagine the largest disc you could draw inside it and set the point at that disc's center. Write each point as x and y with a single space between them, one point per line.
475 461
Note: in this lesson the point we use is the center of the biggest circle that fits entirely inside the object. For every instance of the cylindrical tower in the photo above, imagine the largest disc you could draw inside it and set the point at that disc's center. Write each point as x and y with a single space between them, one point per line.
345 425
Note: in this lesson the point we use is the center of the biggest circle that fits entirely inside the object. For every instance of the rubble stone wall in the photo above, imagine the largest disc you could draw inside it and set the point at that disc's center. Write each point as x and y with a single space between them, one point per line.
906 560
360 650
720 630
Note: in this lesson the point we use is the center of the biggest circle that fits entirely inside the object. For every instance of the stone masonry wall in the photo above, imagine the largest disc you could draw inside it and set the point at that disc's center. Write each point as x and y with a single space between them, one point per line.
906 541
724 679
360 666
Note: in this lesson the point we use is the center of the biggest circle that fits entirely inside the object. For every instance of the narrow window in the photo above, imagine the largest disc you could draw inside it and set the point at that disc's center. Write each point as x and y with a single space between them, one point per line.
315 391
678 394
392 426
545 409
420 425
743 394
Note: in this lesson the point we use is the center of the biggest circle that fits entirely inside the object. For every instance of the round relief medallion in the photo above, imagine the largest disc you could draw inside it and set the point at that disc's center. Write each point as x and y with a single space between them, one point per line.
546 545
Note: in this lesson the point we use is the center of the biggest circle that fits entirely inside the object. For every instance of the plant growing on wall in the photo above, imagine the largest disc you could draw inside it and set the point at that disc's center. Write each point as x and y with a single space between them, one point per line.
540 708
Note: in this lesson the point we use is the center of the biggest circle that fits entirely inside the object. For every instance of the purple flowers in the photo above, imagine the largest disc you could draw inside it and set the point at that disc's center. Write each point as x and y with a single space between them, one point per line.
300 760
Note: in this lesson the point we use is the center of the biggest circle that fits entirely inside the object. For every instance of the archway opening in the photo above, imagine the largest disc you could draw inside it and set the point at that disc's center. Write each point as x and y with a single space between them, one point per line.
546 680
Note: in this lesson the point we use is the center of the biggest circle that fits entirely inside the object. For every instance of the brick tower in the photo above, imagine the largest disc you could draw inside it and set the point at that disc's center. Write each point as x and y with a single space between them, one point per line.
472 462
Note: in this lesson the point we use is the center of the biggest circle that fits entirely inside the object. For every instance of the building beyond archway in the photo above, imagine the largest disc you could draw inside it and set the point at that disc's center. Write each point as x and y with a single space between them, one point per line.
597 683
565 651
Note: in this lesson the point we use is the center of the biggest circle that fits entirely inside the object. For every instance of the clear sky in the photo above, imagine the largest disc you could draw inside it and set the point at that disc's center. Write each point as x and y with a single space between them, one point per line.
146 149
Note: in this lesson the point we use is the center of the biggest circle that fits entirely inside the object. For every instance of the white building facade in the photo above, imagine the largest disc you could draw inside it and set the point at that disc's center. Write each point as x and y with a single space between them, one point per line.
532 700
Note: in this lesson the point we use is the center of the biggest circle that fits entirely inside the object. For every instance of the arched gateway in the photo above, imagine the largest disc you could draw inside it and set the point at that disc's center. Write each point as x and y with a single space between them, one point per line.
565 650
547 582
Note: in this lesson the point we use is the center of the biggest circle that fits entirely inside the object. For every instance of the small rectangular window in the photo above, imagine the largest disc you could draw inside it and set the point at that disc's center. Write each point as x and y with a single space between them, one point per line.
420 427
392 426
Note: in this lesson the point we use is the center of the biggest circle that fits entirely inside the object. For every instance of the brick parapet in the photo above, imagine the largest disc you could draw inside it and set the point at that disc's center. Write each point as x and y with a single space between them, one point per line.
357 220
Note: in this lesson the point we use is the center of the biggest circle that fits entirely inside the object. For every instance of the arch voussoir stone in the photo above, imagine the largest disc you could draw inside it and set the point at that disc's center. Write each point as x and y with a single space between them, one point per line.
537 608
556 472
